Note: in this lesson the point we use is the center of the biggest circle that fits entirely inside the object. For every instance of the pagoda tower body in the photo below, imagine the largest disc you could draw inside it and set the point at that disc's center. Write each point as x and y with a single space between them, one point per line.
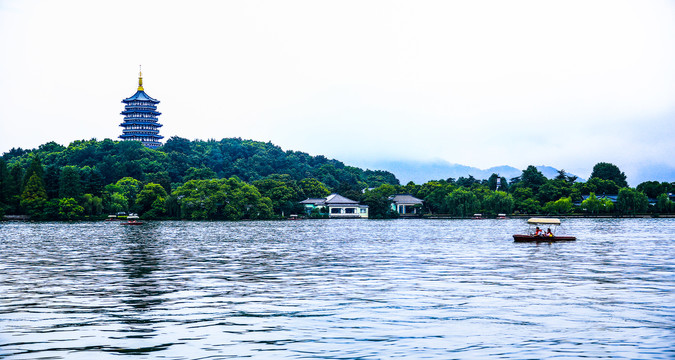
140 118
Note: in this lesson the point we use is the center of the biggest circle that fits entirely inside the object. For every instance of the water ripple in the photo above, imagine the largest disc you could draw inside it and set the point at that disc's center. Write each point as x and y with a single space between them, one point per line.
336 290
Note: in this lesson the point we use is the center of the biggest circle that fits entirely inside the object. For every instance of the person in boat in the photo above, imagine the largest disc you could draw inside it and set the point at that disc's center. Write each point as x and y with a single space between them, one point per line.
538 232
548 232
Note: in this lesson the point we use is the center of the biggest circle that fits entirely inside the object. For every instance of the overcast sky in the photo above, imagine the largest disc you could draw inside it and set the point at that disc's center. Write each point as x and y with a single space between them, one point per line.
480 83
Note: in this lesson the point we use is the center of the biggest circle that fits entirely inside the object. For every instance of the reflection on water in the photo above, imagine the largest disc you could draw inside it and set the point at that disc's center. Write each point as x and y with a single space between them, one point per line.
343 289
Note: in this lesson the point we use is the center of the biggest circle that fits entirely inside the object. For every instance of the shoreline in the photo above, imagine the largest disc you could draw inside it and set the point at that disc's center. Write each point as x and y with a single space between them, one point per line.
26 218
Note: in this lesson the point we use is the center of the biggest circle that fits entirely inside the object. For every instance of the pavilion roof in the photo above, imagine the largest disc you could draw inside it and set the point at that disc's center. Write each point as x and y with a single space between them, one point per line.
405 199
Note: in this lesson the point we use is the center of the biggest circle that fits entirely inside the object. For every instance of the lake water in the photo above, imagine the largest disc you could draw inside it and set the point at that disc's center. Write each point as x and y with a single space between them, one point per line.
336 289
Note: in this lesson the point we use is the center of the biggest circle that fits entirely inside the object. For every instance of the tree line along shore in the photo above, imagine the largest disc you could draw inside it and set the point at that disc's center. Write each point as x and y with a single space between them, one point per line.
235 179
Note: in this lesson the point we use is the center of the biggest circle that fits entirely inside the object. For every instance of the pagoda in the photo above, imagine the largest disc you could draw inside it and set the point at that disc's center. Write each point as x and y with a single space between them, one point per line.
140 118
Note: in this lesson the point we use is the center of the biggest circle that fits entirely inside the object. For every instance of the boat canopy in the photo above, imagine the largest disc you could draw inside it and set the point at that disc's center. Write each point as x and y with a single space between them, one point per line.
546 221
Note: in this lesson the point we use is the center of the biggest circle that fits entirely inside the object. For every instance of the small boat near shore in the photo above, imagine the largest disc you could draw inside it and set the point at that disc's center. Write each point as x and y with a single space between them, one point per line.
535 233
132 220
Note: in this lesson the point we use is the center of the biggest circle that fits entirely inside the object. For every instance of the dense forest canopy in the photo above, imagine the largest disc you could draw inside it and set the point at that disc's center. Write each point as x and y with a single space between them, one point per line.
102 169
235 179
181 158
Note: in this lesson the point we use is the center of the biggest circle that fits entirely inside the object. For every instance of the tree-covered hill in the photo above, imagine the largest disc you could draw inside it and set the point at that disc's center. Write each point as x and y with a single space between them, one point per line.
182 160
96 167
234 179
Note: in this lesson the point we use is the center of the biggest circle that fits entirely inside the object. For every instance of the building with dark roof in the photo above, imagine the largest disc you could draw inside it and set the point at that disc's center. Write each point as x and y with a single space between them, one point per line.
336 206
140 118
406 204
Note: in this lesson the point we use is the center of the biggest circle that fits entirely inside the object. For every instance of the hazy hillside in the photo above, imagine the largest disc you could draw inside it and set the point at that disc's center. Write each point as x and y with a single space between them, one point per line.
421 172
181 159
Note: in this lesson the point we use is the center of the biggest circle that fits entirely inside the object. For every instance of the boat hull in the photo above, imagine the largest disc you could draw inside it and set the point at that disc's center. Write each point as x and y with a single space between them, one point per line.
532 238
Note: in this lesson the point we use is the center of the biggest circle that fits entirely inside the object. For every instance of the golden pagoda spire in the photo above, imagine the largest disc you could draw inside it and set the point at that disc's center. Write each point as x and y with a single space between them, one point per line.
140 79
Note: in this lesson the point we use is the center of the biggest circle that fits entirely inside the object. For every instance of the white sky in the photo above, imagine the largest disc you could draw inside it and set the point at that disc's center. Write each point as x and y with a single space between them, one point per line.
480 83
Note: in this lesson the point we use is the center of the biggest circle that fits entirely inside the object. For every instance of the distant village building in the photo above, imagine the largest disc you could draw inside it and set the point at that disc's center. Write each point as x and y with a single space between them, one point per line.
140 118
336 206
611 198
406 204
614 197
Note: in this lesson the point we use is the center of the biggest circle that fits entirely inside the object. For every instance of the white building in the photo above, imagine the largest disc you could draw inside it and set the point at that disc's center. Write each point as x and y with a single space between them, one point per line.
336 206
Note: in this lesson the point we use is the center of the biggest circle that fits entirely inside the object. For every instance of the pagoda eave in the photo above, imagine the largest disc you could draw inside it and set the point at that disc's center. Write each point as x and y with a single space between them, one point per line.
138 137
153 124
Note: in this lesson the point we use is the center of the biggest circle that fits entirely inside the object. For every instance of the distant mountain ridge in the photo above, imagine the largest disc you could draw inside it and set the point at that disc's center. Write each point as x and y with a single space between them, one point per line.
421 172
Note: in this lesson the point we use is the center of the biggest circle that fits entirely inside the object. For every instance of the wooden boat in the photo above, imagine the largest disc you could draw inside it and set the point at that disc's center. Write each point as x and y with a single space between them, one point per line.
533 238
536 234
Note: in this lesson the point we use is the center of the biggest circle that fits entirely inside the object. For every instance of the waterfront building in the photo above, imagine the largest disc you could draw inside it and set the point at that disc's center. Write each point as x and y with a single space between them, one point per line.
140 118
406 204
336 206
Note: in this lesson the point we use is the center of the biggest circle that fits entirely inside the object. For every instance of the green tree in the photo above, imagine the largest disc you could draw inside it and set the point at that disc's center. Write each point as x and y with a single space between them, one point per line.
245 202
118 203
375 178
199 174
51 209
229 199
653 188
129 187
200 199
14 188
4 179
50 148
664 204
499 202
609 171
532 178
379 205
606 206
598 186
434 194
560 206
150 201
34 196
562 175
162 178
467 182
524 201
313 188
284 193
592 204
462 202
34 168
529 206
52 176
91 180
631 201
92 205
70 185
69 209
553 190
